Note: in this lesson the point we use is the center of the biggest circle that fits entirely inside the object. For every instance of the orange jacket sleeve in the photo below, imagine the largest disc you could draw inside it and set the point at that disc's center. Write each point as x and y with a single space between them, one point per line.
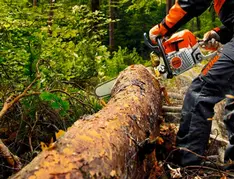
182 12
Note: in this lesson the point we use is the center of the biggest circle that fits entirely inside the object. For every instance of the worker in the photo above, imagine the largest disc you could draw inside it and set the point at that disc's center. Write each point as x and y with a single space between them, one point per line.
215 82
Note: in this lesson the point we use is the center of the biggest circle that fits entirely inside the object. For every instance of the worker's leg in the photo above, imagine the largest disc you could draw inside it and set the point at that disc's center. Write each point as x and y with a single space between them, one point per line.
195 125
229 122
205 91
229 154
229 116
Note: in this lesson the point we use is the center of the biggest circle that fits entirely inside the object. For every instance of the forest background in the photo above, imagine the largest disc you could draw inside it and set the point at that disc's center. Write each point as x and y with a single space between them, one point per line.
53 54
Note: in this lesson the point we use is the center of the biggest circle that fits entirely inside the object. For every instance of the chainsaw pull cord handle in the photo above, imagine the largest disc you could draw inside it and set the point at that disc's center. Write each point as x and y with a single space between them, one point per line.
159 50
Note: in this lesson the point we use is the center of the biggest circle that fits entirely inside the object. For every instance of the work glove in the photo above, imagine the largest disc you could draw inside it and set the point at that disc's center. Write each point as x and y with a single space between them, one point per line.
211 40
157 30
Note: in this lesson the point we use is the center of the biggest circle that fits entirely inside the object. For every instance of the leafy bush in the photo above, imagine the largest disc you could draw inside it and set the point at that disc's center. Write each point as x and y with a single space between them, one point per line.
120 60
64 55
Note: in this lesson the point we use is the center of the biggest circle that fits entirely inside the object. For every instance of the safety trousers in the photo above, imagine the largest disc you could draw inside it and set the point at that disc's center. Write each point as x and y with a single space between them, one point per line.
215 82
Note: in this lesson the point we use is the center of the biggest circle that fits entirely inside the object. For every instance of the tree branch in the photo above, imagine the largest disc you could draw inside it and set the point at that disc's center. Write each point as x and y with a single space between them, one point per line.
14 99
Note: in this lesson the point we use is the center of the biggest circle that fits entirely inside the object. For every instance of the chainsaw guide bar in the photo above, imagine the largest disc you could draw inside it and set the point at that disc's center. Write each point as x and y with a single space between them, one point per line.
104 89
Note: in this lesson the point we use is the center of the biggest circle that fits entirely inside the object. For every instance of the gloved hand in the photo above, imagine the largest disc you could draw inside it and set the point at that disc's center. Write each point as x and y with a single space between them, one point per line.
211 40
157 30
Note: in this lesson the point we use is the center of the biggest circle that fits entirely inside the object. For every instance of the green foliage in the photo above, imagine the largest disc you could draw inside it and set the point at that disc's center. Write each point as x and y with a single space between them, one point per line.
120 60
207 23
137 17
74 43
143 5
56 102
67 54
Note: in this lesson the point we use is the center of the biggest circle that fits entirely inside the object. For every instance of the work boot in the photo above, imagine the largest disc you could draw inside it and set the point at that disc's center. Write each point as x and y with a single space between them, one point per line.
229 158
183 158
229 153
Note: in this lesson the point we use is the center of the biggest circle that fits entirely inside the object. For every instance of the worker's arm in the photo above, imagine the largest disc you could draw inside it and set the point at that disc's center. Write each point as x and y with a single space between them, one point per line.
224 33
180 13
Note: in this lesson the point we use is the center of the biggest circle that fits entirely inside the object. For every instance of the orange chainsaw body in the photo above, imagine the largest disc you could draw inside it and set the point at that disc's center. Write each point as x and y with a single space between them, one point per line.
180 40
181 51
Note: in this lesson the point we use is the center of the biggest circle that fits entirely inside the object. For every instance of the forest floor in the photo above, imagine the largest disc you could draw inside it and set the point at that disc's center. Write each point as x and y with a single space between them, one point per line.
176 89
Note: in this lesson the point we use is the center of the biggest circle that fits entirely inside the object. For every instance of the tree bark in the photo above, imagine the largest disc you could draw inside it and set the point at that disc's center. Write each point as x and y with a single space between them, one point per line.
12 160
34 3
51 15
111 142
198 23
213 15
95 5
111 25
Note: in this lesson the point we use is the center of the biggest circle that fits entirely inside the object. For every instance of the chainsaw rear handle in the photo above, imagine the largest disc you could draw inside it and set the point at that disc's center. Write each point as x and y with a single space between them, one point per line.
203 44
159 50
212 51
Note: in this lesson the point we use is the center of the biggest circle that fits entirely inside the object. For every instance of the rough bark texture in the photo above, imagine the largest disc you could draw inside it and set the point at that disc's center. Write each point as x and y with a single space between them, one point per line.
111 24
95 5
104 144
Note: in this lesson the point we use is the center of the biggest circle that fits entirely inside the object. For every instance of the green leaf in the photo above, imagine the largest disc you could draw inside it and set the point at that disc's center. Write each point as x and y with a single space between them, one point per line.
55 105
65 105
46 96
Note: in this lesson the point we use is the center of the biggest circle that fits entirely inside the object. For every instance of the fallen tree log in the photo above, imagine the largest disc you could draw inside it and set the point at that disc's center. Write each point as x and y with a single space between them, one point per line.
111 142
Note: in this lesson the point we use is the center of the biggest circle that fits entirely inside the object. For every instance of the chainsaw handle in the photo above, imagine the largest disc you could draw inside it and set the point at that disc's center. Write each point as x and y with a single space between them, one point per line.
160 45
203 44
212 51
155 48
159 50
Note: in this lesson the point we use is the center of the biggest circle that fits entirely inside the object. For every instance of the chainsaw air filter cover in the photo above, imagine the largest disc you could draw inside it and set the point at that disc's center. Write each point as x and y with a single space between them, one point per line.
182 51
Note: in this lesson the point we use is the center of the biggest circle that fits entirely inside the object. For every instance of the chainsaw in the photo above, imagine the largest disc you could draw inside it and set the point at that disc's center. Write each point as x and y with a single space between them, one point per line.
170 57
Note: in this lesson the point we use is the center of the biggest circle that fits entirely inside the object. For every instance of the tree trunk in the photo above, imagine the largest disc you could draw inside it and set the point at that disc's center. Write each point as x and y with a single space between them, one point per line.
198 23
213 15
111 25
34 3
110 143
95 5
51 15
